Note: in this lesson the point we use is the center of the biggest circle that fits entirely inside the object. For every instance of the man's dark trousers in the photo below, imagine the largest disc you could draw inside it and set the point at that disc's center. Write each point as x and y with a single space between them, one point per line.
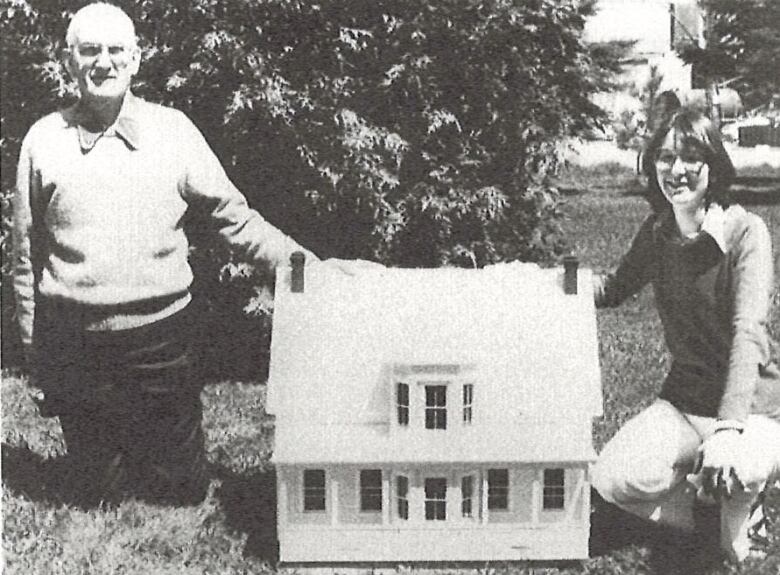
129 405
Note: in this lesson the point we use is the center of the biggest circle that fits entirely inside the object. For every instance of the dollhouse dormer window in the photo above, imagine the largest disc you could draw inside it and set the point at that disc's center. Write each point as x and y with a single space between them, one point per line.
402 403
433 396
468 402
435 407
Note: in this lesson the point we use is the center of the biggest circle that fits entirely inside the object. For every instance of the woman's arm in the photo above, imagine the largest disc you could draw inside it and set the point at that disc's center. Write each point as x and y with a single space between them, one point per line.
633 273
751 294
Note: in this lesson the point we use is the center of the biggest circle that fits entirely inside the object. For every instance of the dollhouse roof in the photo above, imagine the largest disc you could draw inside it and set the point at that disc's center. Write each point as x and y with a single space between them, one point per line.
529 349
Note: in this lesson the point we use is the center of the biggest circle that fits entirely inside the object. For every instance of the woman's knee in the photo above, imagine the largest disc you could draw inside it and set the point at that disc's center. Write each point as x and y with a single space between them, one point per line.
648 456
606 481
621 480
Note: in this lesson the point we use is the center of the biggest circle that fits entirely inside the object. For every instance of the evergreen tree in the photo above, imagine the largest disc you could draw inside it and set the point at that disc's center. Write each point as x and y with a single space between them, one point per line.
743 45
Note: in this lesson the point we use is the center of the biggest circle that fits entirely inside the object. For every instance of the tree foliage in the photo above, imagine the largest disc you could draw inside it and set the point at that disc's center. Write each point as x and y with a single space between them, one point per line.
743 42
634 127
413 133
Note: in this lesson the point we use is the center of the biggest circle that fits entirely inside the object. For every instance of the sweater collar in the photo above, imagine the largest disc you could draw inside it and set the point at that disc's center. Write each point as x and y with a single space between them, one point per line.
125 127
665 228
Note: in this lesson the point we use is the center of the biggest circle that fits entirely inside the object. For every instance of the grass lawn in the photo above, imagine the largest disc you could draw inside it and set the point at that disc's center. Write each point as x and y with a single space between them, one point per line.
233 532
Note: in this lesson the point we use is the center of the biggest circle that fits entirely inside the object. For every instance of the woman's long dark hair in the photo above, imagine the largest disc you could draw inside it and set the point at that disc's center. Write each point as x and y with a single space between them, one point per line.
699 130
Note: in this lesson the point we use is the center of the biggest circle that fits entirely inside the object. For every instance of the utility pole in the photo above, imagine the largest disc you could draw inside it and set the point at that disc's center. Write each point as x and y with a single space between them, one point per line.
712 92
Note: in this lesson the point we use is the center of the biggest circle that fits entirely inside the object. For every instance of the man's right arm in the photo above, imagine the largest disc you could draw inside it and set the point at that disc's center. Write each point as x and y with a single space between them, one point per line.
241 227
23 236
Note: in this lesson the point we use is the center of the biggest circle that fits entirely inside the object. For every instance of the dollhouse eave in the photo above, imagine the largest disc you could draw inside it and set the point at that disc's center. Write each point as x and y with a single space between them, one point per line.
550 442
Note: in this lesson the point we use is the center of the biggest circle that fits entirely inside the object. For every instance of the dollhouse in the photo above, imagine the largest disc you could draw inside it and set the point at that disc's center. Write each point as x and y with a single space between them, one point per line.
433 414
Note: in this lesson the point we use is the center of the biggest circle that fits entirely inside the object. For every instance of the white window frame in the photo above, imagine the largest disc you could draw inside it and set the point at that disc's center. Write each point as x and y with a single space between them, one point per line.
508 490
544 490
381 491
324 490
440 501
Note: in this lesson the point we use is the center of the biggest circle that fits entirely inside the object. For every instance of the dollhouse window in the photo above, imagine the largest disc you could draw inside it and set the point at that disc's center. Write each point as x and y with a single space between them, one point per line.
371 490
314 490
432 396
402 496
468 402
553 490
467 496
402 403
435 407
435 498
498 489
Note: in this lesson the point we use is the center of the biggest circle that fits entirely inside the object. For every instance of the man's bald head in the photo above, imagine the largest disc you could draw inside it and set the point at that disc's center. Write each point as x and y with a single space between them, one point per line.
101 14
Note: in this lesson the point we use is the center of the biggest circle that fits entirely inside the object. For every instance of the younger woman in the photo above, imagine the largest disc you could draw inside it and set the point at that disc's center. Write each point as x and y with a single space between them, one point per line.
718 413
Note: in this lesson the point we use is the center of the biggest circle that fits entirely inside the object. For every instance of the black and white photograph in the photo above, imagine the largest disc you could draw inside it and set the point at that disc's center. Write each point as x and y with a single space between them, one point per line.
346 287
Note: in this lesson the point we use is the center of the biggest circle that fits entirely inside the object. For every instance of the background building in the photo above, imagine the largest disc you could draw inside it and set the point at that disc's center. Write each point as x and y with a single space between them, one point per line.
657 27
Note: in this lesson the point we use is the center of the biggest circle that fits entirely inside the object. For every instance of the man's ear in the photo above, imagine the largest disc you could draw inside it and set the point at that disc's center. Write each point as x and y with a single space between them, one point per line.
135 60
66 58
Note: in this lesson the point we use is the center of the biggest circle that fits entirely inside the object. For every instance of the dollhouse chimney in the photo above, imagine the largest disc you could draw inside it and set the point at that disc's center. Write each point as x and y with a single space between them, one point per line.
570 265
297 261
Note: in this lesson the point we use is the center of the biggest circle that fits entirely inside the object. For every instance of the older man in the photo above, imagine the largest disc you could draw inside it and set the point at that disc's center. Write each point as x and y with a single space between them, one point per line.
101 272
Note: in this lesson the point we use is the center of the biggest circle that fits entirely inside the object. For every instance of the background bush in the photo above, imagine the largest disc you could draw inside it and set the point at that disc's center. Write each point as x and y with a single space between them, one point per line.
633 127
417 134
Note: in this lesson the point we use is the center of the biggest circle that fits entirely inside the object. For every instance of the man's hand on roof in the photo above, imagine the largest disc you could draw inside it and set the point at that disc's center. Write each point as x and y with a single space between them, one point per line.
353 267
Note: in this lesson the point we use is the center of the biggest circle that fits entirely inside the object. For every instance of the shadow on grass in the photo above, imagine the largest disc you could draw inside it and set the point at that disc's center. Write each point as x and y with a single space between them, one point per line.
671 551
249 503
40 478
248 499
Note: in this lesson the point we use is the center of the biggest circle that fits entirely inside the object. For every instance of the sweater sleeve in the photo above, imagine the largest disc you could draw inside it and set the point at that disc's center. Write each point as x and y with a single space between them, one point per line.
241 227
633 272
751 294
23 232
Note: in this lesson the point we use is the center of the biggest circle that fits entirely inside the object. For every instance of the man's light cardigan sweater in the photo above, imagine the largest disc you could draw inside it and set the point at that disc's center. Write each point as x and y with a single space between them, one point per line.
98 218
714 307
